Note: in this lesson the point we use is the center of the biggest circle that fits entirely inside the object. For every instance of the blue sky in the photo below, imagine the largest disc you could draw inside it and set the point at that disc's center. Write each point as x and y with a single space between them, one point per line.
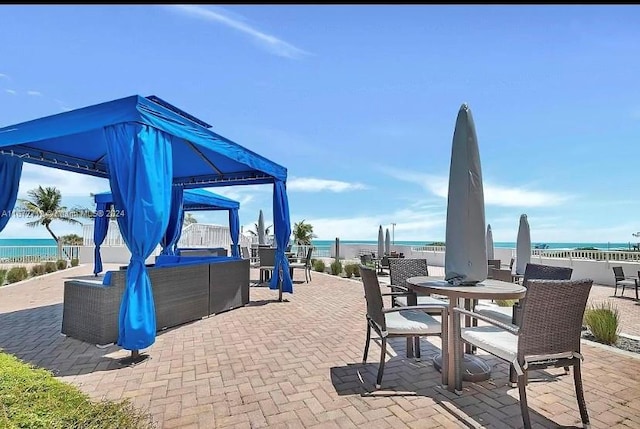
359 103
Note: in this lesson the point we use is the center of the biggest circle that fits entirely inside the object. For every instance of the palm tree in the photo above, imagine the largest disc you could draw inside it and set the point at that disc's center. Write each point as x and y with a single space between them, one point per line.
44 204
303 233
189 219
254 231
72 239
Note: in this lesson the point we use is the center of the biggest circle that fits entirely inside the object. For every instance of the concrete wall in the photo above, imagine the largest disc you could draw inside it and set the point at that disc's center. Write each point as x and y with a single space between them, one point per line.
600 272
112 255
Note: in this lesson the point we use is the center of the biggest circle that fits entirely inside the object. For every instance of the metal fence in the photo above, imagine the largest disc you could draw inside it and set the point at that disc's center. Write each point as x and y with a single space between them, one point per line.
30 254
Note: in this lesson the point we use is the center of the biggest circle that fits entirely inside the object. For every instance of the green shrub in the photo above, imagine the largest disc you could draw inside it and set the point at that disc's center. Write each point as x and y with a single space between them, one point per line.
506 302
37 270
74 262
17 274
348 270
50 267
603 322
336 267
318 265
3 276
61 264
356 270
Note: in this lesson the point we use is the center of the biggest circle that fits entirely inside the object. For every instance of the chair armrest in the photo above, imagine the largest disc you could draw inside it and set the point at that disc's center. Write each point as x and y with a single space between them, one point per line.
487 319
396 294
424 307
399 287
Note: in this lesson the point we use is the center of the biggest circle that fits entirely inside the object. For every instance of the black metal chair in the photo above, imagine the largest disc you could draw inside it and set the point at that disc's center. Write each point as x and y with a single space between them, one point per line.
398 321
548 336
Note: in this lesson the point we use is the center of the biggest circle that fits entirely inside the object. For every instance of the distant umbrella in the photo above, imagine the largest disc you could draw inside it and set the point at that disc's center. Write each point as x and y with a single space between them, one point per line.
489 243
380 243
261 232
387 242
523 245
466 247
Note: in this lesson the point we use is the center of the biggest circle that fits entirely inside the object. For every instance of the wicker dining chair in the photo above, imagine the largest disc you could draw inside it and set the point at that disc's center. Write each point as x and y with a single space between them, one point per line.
398 321
623 281
538 272
548 336
305 265
399 271
267 261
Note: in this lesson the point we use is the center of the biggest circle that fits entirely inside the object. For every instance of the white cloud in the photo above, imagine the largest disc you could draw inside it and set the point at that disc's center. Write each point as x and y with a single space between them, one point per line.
273 44
34 93
494 194
69 184
243 194
5 76
10 91
416 222
62 105
310 184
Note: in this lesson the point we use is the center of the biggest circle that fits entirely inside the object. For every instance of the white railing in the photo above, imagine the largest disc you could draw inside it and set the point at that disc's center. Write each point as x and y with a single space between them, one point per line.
113 238
29 254
598 255
427 248
318 251
193 235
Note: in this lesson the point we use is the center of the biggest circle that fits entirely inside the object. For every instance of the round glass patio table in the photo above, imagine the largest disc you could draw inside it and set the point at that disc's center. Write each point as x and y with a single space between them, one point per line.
473 368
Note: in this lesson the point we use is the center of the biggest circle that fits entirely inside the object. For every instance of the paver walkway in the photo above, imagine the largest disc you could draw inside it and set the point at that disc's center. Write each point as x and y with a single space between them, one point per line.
297 364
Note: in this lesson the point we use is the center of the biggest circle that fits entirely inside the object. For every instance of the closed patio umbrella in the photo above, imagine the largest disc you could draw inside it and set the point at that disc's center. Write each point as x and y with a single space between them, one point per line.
261 232
523 245
489 243
380 243
387 242
466 247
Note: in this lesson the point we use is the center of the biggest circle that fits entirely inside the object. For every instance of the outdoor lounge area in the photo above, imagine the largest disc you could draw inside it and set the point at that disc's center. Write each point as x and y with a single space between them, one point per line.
297 363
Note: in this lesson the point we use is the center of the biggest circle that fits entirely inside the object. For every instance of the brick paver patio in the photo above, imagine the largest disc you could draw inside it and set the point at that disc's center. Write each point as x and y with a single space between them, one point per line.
298 364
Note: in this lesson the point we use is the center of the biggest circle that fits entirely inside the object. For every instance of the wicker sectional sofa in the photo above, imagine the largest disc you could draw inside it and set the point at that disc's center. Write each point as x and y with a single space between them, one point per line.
182 293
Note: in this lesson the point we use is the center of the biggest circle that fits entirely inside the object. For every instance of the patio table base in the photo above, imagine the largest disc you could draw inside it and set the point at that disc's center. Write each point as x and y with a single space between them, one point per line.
473 368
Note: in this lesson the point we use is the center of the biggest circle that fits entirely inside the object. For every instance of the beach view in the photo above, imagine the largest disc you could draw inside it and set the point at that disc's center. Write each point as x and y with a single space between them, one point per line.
319 216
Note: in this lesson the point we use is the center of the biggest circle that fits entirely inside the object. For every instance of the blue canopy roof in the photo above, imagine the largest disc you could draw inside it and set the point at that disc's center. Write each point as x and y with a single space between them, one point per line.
75 141
145 147
193 200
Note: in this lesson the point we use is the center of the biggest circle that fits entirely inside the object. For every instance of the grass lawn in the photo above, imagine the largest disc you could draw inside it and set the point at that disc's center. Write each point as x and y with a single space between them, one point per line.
31 397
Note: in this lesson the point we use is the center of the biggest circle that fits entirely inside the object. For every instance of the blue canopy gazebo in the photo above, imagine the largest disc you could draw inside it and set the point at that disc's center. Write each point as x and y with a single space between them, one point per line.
193 200
150 151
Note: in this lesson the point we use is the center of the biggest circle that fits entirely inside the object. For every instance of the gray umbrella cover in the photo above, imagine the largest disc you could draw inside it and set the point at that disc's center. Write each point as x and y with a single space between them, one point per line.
489 243
387 242
523 245
261 232
380 243
466 246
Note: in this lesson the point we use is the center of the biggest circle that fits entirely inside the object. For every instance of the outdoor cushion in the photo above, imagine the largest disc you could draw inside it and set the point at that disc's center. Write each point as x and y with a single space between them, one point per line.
501 314
492 339
411 321
422 300
627 282
107 278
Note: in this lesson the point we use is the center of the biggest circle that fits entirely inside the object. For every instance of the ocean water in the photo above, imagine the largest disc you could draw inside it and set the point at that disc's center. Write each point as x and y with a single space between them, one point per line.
31 249
27 242
499 244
